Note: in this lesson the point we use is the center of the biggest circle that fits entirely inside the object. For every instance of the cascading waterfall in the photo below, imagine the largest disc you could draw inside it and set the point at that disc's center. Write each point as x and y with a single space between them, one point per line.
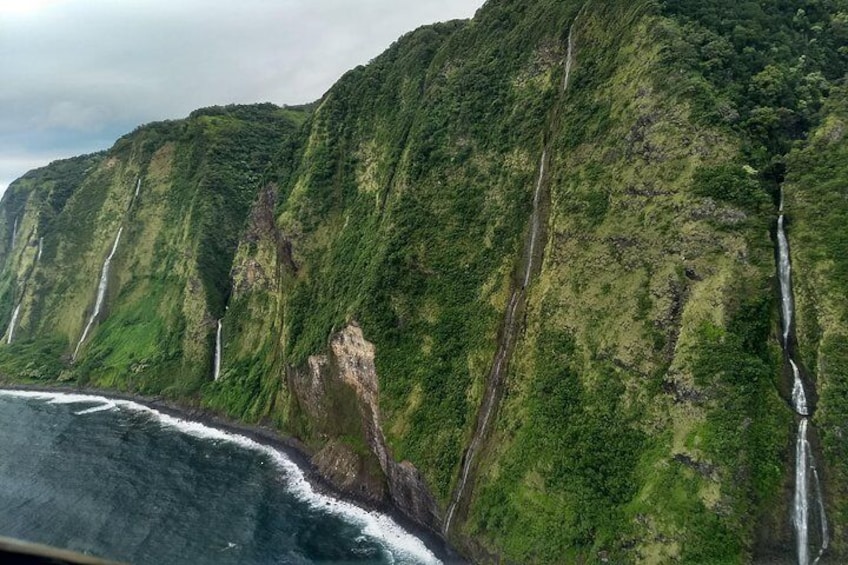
137 188
805 463
490 396
10 334
217 373
799 397
40 249
101 292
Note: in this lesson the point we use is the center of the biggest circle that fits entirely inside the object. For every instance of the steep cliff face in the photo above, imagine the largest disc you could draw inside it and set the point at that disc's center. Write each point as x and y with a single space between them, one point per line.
514 277
816 206
179 192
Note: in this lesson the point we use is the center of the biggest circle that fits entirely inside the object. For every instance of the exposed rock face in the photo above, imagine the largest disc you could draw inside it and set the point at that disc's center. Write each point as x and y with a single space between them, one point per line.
342 466
332 381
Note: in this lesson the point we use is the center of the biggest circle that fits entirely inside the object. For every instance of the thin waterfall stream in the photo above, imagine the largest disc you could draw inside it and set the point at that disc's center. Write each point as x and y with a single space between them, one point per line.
40 249
805 463
517 297
534 227
101 292
14 234
217 373
11 333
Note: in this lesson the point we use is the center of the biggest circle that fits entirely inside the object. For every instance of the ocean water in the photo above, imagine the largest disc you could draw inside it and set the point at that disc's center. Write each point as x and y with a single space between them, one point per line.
118 480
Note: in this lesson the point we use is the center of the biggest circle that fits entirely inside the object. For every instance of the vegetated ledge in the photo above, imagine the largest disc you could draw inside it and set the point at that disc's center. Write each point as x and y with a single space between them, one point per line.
295 450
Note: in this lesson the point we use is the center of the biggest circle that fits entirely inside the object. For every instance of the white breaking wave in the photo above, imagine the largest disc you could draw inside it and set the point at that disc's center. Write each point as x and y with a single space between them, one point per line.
403 546
99 408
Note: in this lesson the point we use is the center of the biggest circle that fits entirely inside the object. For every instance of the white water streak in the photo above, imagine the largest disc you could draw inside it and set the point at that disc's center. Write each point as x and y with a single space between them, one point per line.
804 458
822 513
568 57
14 233
99 408
40 249
799 398
488 409
137 188
801 505
404 547
784 271
535 224
10 334
217 373
489 399
101 292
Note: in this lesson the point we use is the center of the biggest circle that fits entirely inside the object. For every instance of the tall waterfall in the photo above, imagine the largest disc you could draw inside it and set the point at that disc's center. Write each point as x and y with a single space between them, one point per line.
785 275
217 373
40 249
101 292
137 188
10 334
490 396
805 462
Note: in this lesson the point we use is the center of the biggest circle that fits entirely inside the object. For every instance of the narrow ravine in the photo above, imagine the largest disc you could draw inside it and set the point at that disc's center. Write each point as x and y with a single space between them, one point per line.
217 372
101 292
11 332
492 393
805 462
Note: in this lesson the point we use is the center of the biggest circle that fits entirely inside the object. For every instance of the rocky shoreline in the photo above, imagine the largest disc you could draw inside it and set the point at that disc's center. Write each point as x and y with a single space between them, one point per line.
296 451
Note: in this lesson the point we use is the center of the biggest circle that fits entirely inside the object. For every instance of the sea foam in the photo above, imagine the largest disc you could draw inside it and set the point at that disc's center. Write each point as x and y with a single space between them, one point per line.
402 546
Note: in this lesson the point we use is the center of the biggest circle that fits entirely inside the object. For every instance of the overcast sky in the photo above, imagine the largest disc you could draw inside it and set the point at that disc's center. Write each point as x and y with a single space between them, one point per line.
77 74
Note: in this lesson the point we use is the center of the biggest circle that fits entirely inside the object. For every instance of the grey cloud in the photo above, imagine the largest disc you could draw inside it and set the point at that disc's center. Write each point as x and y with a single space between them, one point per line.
85 71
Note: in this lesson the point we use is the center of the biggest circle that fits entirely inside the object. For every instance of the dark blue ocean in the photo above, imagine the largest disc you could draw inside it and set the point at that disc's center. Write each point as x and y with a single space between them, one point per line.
120 481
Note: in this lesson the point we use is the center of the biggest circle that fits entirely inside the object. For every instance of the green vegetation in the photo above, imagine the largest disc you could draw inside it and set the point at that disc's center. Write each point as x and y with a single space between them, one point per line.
818 211
641 418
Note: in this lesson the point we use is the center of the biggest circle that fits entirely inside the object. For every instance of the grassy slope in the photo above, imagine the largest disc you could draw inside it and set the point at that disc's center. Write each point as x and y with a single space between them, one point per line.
583 464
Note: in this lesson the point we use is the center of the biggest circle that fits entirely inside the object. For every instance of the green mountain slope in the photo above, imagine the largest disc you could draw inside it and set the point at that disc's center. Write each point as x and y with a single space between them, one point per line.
515 276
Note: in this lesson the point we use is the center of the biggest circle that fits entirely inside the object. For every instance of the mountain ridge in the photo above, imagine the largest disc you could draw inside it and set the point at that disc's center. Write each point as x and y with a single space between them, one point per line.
643 415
